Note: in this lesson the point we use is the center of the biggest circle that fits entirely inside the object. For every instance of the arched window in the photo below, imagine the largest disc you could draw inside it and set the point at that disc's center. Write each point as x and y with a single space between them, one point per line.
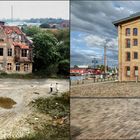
128 43
135 31
127 31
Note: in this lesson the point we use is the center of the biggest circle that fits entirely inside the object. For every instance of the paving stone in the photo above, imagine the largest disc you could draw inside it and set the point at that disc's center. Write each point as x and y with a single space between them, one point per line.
114 119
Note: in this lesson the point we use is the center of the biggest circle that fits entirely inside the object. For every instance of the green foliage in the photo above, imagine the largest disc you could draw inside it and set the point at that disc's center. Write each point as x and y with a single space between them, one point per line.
63 67
75 66
45 50
57 106
30 31
50 49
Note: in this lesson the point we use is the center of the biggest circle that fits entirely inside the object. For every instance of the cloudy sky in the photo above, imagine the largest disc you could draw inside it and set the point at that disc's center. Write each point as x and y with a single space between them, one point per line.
34 9
91 25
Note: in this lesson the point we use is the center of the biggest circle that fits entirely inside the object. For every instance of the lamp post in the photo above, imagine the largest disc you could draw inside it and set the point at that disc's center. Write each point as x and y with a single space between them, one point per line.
94 61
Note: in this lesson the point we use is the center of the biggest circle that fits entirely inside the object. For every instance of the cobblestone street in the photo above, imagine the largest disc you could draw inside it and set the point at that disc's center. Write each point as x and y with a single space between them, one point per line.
108 89
113 118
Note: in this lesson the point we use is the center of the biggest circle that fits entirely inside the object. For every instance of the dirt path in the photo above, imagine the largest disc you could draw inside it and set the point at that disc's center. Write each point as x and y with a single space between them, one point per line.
12 121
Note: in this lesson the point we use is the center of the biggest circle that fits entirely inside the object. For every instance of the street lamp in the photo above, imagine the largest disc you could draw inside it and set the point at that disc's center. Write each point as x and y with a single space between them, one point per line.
94 61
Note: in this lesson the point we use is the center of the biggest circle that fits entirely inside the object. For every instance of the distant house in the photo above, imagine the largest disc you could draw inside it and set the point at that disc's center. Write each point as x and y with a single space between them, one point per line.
15 50
129 47
64 24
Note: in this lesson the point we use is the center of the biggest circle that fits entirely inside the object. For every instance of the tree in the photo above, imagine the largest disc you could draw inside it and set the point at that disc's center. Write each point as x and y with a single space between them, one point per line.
45 50
63 67
75 66
31 31
45 25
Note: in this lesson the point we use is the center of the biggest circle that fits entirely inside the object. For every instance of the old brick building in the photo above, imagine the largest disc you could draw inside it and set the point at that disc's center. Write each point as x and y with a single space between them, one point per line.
15 50
129 47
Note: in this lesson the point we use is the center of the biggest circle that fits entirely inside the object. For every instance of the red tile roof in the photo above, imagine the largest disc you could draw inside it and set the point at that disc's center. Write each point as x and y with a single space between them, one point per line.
22 46
10 29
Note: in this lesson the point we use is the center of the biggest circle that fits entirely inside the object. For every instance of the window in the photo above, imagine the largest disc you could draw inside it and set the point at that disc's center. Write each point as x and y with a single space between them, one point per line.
9 52
17 66
9 66
136 70
128 56
135 55
135 31
127 31
127 71
26 67
1 40
24 52
135 42
127 43
1 51
1 66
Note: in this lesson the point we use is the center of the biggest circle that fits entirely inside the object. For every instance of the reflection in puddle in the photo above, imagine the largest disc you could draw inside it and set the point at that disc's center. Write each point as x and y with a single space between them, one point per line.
6 103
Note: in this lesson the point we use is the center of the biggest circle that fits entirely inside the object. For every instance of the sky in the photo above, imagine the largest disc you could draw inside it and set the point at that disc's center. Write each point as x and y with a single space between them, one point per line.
34 9
91 26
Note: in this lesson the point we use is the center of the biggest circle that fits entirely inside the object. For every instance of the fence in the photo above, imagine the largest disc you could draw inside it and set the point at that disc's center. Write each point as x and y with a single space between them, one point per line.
93 80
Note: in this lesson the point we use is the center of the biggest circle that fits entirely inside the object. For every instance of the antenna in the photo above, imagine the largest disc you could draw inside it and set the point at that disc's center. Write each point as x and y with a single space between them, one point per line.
11 13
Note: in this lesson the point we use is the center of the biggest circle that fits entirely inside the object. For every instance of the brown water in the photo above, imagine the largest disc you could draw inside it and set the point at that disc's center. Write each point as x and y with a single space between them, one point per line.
6 103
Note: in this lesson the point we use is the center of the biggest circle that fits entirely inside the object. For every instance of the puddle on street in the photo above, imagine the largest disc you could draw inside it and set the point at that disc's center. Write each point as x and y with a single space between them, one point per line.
6 102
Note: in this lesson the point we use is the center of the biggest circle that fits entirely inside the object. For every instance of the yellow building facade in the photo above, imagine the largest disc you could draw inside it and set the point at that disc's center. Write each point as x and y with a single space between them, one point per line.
129 48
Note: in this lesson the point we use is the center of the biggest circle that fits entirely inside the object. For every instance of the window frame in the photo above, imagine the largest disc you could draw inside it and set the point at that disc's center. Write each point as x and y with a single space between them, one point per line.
135 34
136 71
128 58
17 66
128 75
1 51
128 45
127 31
24 52
9 66
135 54
9 52
135 39
26 67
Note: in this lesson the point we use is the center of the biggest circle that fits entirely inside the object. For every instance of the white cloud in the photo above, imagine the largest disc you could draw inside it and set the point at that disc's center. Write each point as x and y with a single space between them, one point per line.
93 41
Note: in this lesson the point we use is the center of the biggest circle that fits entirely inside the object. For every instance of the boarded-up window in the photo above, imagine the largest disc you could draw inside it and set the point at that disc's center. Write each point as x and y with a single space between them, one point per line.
127 71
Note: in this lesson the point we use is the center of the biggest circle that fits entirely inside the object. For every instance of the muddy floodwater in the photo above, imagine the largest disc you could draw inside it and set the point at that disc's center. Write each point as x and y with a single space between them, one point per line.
15 96
6 103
